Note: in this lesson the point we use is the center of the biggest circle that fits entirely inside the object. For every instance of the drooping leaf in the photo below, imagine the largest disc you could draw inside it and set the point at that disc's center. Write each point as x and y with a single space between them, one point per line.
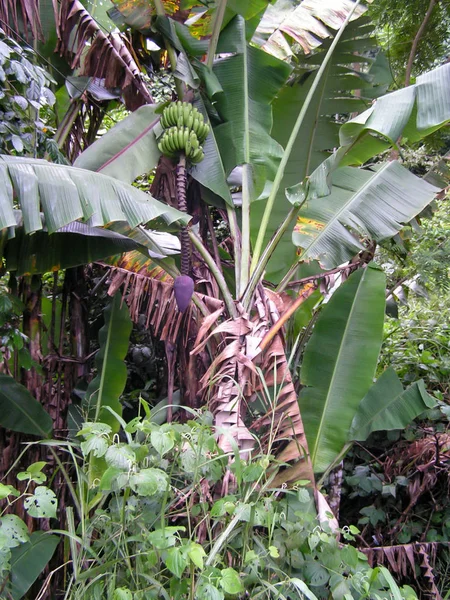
414 112
371 203
388 406
106 388
308 24
127 150
65 194
107 58
72 245
19 411
339 363
29 560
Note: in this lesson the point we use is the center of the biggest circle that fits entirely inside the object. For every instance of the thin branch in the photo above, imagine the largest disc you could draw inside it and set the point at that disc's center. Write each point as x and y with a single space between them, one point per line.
412 54
287 153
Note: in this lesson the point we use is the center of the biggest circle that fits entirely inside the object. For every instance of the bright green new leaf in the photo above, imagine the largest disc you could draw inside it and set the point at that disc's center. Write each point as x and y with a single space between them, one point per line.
148 482
196 554
29 560
388 406
176 561
33 473
122 594
42 504
339 363
231 582
19 411
108 385
7 490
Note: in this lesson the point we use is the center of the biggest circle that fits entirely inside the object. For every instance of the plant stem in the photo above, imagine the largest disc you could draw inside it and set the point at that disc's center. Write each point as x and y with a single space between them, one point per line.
245 240
287 153
216 27
269 250
215 272
236 237
160 11
412 54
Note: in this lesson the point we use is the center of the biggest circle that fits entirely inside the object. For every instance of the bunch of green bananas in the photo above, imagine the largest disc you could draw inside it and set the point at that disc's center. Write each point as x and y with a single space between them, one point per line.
185 131
177 140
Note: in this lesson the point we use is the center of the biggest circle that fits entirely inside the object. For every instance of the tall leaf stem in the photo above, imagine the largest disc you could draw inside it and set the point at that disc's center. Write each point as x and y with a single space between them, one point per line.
245 240
236 238
215 272
217 26
266 255
160 11
287 153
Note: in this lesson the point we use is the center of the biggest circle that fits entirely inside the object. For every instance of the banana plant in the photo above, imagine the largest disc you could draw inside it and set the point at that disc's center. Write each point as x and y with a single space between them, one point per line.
283 173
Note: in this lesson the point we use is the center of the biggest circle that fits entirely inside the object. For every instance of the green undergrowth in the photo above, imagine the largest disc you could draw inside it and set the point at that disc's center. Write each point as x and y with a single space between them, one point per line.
164 513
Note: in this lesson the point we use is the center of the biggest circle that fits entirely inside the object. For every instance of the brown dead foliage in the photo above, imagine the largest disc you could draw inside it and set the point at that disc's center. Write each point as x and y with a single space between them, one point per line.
401 560
108 56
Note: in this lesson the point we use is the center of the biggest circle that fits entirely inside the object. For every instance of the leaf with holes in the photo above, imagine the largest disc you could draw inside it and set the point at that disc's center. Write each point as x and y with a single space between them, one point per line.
42 504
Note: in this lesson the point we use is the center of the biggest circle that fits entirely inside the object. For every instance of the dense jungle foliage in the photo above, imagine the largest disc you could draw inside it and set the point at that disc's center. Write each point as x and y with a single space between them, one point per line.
224 299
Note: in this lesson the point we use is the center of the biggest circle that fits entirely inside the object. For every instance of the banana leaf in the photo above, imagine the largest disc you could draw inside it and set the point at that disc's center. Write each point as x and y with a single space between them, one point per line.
19 411
106 388
371 203
306 23
388 406
339 363
320 129
72 245
250 80
127 150
65 194
413 112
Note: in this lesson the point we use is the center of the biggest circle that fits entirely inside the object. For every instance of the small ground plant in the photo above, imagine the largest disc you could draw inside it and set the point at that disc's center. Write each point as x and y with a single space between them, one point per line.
164 516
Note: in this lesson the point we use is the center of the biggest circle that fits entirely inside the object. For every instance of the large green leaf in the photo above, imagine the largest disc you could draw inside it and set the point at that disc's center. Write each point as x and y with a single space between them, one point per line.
106 388
19 411
414 112
29 560
388 406
320 129
65 194
73 245
339 363
250 80
127 150
372 203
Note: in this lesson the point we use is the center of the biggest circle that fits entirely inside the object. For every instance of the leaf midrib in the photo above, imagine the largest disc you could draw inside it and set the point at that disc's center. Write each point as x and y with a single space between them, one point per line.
346 206
335 371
